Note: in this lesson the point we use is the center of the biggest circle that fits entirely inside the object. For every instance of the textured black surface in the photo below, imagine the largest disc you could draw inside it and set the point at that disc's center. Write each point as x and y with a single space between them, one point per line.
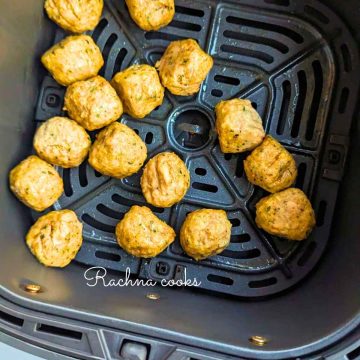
297 68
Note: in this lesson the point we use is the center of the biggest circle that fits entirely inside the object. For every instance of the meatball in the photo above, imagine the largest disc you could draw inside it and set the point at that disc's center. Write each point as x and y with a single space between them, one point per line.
238 125
117 151
73 59
36 183
55 238
151 14
271 166
62 141
141 233
287 214
139 89
205 232
165 180
93 103
183 67
75 16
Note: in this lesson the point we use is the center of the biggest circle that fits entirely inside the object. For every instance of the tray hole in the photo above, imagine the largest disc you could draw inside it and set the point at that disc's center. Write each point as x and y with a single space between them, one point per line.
205 187
97 224
318 75
239 172
200 171
189 11
82 174
99 29
235 222
301 176
123 201
54 330
300 103
239 239
220 279
110 212
353 355
107 256
149 138
119 60
227 157
346 58
136 131
97 174
316 14
217 93
248 53
108 45
227 80
321 213
67 183
11 319
185 25
344 97
247 254
307 254
157 35
254 105
255 284
286 94
278 2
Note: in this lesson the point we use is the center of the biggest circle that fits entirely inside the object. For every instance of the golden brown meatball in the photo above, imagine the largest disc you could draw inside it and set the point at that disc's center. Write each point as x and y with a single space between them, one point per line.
117 151
62 141
75 16
238 125
36 183
287 214
139 89
73 59
151 14
271 166
205 233
55 238
165 180
141 233
183 67
93 103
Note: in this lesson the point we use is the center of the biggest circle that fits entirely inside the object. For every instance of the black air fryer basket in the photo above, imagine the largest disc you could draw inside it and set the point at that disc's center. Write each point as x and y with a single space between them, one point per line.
298 62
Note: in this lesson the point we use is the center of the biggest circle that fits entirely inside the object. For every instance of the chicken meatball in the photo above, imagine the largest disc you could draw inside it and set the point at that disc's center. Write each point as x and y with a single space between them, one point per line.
93 103
271 166
73 59
55 238
165 180
151 14
75 16
238 125
36 183
287 214
183 67
141 233
62 141
117 151
139 89
205 233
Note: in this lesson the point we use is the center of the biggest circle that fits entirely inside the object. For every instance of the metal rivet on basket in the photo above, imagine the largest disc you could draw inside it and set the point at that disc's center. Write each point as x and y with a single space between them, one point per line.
32 288
153 296
258 340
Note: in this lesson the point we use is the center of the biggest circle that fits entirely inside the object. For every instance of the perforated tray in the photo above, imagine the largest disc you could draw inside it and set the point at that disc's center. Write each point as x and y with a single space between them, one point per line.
296 62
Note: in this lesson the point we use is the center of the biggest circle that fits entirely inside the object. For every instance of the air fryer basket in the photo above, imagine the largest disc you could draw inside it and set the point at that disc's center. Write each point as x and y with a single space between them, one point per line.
299 65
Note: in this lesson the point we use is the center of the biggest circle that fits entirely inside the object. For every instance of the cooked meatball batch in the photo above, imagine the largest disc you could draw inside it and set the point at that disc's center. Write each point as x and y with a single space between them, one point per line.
271 166
73 59
287 214
62 141
183 67
151 14
75 16
205 233
117 151
55 238
165 180
139 89
141 233
238 125
93 103
36 183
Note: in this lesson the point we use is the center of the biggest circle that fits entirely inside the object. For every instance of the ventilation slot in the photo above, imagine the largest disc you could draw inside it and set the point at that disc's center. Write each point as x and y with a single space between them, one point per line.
97 224
220 279
256 39
278 2
67 183
254 105
239 239
54 330
248 53
355 354
11 319
136 131
119 60
344 97
82 174
149 138
227 80
301 176
185 25
346 58
123 201
307 254
286 94
97 174
248 254
321 213
239 172
107 256
109 212
200 171
217 93
262 283
188 11
156 35
316 99
300 103
316 14
205 187
227 157
235 223
99 29
107 48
